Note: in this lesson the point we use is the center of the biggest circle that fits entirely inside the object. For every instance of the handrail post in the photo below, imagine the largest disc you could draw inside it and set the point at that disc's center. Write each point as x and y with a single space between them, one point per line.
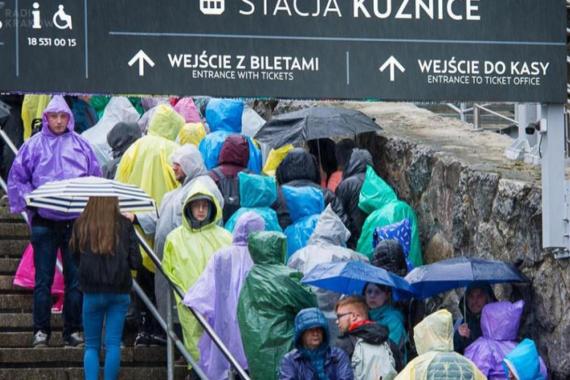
476 117
169 342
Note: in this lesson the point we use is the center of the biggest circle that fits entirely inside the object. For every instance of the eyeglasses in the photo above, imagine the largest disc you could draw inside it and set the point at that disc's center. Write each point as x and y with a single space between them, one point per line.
339 316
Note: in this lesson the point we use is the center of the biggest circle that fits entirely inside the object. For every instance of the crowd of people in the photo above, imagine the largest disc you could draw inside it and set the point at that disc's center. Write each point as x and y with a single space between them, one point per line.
237 226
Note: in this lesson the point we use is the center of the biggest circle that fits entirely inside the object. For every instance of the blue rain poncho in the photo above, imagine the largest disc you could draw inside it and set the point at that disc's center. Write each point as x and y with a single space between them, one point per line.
257 194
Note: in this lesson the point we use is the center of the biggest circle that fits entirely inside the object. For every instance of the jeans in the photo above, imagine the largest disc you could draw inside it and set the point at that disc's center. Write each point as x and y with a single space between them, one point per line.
112 309
47 236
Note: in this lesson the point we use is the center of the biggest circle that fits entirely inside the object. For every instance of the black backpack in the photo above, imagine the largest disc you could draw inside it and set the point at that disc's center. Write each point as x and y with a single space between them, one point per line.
229 187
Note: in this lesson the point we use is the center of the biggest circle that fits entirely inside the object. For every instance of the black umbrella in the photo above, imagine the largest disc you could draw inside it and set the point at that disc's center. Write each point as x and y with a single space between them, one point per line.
459 272
314 123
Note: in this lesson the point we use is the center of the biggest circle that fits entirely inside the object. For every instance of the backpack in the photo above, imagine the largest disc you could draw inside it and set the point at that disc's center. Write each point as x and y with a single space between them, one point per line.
229 187
373 362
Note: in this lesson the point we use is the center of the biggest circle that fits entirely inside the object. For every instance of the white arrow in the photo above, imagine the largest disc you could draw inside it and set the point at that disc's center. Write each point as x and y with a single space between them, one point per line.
392 63
141 57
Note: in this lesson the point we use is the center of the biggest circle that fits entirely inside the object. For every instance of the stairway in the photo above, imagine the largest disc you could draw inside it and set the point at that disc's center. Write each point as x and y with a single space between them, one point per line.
18 360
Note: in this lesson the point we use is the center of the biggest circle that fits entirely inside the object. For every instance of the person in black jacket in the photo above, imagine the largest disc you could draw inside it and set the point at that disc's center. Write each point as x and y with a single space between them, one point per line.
348 192
105 244
298 169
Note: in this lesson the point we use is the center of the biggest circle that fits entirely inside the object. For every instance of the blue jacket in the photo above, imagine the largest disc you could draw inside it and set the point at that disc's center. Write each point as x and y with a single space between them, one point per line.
295 366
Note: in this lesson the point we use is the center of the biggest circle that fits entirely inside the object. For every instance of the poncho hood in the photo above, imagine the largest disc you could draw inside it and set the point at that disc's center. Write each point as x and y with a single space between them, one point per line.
267 248
298 165
122 136
501 320
188 110
57 105
308 319
434 333
359 160
235 151
247 224
199 191
190 159
165 122
330 230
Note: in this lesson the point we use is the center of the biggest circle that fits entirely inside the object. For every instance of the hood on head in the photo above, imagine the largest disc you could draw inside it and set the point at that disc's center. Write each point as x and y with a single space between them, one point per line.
190 159
200 191
235 151
359 160
153 101
501 320
267 247
192 133
298 165
120 109
188 110
248 223
330 229
256 190
57 104
524 361
224 115
122 136
165 122
303 201
434 333
389 255
307 319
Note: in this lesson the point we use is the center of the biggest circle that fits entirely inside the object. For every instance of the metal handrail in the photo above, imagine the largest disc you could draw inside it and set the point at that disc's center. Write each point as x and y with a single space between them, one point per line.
482 107
203 322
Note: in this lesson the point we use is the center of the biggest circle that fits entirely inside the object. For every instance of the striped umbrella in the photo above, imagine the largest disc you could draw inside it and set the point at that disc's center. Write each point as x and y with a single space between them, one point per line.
72 195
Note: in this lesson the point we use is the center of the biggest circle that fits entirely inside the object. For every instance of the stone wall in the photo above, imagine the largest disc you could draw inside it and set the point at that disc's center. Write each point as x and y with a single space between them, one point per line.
471 212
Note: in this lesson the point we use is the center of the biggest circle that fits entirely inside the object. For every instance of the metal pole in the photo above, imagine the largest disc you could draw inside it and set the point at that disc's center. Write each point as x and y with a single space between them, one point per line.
169 342
205 325
553 176
462 107
170 333
476 117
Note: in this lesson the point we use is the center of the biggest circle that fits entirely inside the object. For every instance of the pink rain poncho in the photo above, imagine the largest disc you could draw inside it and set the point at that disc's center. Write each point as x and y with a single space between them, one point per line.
48 157
215 295
500 323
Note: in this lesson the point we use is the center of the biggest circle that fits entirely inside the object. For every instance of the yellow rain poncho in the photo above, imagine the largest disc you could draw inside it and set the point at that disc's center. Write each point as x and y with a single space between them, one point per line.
146 163
192 133
274 159
33 108
437 360
186 252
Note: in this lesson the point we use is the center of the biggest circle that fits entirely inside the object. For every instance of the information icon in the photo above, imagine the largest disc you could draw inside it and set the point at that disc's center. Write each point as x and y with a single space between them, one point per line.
212 7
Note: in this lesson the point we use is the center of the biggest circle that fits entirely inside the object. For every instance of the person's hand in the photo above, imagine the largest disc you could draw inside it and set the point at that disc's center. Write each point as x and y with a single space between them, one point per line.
464 330
129 216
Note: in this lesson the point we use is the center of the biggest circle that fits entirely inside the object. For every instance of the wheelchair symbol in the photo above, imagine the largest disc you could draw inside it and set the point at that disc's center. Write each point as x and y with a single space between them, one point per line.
62 20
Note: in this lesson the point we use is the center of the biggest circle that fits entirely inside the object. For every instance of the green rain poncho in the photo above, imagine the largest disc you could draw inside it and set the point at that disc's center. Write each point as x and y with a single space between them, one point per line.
269 301
384 208
186 253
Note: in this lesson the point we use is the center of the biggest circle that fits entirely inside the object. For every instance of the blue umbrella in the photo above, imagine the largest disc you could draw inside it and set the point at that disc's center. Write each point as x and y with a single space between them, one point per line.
460 272
350 277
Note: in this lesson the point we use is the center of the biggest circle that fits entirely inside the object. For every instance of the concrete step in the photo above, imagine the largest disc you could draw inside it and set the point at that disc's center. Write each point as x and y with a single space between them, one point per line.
24 322
8 265
19 303
126 373
51 356
13 247
23 339
14 231
7 285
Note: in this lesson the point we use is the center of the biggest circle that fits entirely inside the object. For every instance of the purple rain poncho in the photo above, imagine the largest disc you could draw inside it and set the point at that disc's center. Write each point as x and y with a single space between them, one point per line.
48 157
500 323
215 295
